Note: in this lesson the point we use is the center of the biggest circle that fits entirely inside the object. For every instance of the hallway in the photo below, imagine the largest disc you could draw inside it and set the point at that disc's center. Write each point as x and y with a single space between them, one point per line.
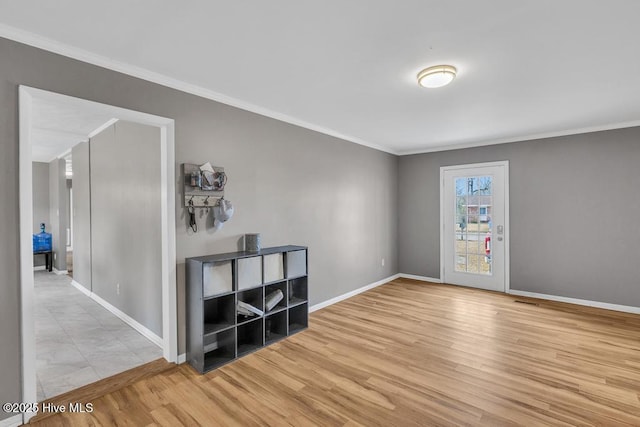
78 341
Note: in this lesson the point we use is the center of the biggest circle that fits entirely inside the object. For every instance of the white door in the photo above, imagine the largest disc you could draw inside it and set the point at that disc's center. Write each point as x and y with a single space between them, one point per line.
474 225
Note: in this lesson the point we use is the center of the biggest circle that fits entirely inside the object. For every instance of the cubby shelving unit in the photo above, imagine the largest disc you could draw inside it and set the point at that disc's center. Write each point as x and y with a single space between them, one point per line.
216 332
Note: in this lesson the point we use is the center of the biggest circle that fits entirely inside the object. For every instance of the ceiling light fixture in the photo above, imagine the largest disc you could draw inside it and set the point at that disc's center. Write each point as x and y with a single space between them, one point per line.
437 76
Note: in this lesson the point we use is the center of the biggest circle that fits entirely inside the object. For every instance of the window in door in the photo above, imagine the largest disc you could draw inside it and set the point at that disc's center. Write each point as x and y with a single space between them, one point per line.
473 224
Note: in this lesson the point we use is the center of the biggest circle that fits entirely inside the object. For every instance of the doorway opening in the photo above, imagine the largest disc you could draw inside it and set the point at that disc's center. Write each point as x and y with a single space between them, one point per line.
167 339
474 219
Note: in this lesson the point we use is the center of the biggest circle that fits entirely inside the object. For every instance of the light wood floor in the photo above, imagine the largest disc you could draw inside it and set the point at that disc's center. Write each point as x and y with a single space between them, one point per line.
407 354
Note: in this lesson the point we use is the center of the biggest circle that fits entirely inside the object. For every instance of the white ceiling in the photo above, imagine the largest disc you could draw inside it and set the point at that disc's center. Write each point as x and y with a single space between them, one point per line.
526 68
57 127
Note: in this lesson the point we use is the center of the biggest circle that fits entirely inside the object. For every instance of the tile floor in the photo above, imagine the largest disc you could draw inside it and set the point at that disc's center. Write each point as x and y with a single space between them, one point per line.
78 341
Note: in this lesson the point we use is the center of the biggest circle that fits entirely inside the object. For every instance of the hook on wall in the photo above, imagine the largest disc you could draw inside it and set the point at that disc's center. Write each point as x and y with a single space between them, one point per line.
192 216
203 202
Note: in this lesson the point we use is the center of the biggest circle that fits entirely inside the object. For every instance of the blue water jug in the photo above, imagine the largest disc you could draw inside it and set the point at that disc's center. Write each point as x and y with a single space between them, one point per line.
42 241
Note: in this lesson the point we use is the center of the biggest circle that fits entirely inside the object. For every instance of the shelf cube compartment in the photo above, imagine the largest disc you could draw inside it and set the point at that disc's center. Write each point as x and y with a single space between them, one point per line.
219 348
227 296
254 297
269 290
217 278
296 264
249 272
219 313
250 336
298 291
298 318
273 267
275 327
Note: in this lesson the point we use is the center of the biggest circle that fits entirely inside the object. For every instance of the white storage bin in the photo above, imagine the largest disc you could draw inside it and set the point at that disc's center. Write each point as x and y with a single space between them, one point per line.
249 272
217 278
296 263
273 268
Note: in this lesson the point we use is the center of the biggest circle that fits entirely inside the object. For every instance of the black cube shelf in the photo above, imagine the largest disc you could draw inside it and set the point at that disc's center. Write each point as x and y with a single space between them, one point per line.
216 332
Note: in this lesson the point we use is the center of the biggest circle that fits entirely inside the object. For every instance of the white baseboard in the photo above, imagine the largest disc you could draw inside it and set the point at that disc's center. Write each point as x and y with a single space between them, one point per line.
421 278
182 358
14 421
588 303
38 268
81 288
150 335
351 293
60 272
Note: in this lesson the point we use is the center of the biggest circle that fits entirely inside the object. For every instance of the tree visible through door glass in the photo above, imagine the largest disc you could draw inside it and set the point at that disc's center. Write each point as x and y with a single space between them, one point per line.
473 224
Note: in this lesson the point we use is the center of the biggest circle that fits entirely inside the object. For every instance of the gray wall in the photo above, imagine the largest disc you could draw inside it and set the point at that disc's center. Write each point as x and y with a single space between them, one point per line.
574 210
40 177
58 205
125 221
40 196
81 211
291 184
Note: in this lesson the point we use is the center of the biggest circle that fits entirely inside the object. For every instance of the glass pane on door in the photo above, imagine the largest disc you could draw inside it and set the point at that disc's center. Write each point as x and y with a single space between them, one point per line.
474 201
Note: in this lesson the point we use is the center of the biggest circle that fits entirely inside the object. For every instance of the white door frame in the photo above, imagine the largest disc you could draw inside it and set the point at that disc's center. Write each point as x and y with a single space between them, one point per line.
168 228
507 232
70 241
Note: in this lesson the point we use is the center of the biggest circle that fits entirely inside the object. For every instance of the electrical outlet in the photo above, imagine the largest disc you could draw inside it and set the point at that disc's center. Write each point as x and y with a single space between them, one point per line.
55 257
118 288
382 262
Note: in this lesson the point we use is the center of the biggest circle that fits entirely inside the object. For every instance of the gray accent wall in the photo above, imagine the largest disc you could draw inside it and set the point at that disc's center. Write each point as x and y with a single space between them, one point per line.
293 185
81 211
58 205
574 207
126 263
40 180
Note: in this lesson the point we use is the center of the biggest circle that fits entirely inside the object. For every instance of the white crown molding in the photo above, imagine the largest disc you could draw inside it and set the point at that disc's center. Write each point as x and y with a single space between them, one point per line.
102 127
73 52
545 135
65 153
50 45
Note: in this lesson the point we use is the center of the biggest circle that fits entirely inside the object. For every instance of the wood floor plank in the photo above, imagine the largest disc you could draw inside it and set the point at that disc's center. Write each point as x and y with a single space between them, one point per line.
406 353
